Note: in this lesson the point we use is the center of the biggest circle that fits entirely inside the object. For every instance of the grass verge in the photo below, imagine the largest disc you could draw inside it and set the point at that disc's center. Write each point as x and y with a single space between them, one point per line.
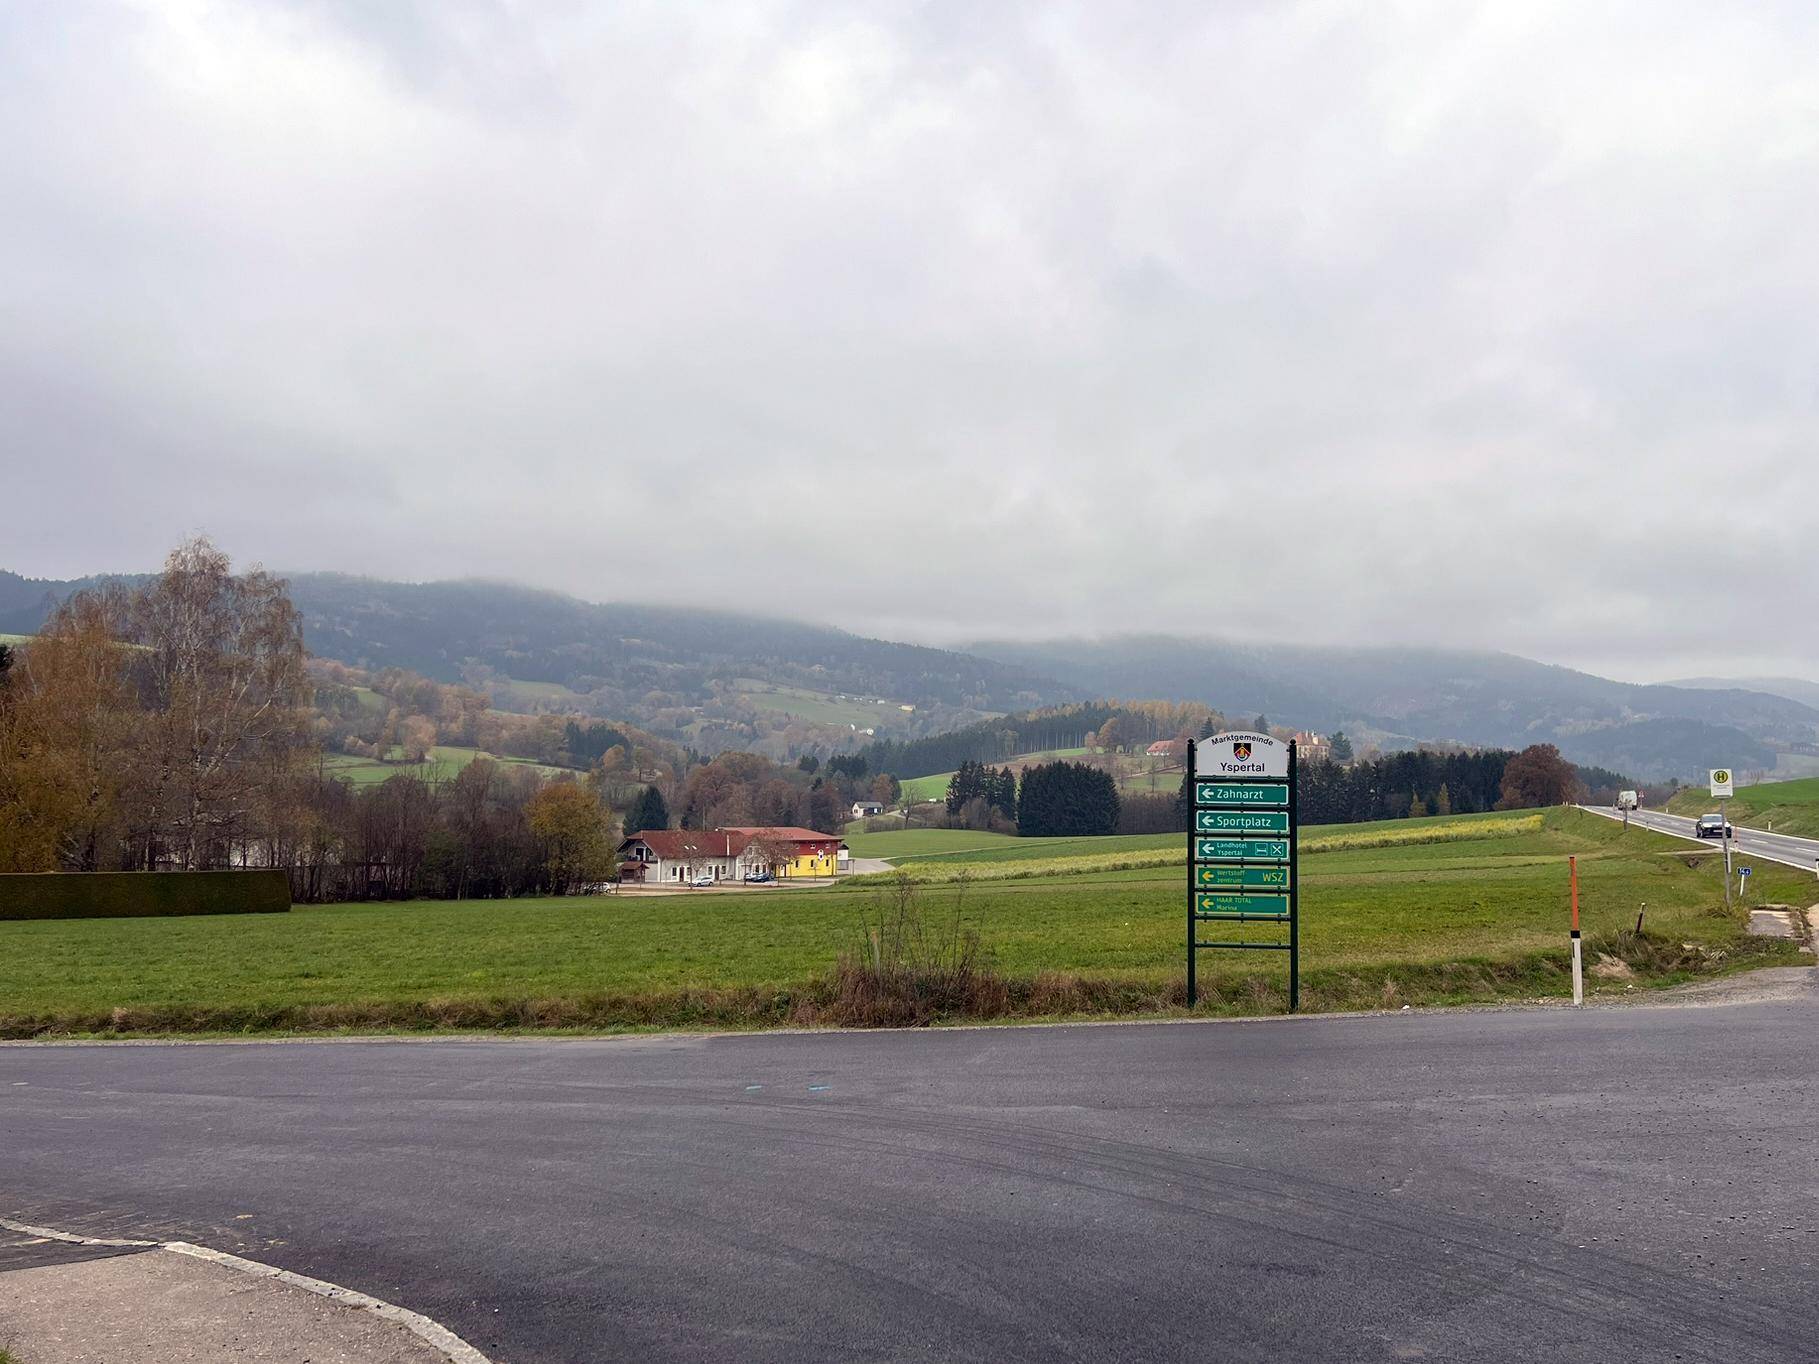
1786 807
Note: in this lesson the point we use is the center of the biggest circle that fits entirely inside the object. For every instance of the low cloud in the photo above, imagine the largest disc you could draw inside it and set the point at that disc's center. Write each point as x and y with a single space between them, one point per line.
1482 325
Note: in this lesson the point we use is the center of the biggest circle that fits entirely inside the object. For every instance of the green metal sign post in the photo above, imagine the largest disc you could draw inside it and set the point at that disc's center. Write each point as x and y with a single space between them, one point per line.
1243 863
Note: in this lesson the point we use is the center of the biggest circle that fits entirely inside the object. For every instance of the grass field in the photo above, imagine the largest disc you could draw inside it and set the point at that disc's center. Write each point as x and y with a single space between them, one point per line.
1477 917
443 763
935 787
908 847
526 698
1790 807
819 708
1167 781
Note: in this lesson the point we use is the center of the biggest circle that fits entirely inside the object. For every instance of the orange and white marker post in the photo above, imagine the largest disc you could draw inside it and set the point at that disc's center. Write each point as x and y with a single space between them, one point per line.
1578 958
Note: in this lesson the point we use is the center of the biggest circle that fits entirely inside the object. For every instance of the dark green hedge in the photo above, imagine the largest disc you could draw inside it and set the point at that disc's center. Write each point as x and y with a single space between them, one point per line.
141 894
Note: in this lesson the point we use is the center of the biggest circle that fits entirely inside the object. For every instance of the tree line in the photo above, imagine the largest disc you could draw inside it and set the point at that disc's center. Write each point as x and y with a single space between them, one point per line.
168 724
1416 783
981 797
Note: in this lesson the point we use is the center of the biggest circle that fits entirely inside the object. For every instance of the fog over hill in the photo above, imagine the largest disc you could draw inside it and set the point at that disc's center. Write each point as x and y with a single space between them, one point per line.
1473 697
632 660
628 659
1793 688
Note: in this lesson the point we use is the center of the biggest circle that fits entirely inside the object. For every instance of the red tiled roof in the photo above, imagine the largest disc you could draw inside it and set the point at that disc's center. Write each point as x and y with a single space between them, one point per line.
787 833
678 845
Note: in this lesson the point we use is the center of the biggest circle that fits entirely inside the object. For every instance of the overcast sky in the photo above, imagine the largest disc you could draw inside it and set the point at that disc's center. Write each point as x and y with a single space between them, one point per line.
1482 325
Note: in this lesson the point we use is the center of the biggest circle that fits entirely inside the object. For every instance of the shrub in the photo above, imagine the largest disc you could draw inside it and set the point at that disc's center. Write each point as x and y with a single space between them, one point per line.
909 972
141 894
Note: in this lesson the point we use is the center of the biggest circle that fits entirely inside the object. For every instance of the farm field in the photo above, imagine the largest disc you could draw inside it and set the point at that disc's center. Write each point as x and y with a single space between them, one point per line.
443 763
911 847
1475 917
524 698
1791 807
821 708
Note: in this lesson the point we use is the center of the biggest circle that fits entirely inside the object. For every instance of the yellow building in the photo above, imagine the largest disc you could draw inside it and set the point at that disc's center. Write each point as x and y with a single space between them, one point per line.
810 853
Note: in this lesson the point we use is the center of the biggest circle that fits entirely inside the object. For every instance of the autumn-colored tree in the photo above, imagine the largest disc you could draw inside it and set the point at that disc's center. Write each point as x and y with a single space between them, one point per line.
572 829
1443 803
65 714
416 736
1536 777
226 693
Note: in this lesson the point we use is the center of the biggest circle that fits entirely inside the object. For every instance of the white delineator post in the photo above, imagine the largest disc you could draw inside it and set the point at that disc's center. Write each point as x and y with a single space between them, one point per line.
1578 954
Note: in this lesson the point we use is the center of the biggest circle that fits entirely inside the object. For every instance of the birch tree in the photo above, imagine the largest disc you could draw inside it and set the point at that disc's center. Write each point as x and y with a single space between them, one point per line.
227 696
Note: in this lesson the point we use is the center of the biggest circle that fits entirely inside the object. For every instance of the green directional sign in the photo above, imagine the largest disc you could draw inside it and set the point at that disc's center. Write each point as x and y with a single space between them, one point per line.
1241 821
1261 877
1241 793
1241 850
1243 865
1258 906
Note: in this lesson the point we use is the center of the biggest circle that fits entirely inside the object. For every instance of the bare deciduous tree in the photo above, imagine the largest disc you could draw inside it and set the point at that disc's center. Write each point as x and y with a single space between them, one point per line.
227 692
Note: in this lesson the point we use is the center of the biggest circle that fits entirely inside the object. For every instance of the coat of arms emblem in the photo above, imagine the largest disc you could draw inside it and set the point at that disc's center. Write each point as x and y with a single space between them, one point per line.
1241 750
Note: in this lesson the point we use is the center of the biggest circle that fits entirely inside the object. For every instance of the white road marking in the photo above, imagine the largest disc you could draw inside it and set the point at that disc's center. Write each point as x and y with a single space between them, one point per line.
24 1229
431 1332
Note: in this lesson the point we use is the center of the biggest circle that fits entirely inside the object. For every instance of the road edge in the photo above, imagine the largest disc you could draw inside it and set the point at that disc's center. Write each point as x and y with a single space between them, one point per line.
426 1329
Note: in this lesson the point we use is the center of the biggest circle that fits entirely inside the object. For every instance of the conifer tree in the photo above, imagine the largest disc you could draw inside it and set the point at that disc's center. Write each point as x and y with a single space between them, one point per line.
1184 805
649 811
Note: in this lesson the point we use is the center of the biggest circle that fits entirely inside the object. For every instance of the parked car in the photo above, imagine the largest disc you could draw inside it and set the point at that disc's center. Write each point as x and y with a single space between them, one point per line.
702 881
758 878
1714 826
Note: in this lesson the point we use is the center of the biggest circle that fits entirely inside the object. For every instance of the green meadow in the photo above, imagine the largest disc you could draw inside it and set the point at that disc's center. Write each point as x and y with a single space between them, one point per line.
444 761
1477 912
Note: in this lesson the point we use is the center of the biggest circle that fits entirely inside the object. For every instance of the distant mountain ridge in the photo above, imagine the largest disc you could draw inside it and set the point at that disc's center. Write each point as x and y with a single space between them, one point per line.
653 665
631 659
1792 688
1470 697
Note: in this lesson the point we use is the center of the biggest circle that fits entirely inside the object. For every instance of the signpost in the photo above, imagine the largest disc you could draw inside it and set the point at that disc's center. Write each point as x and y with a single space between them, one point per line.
1723 789
1242 865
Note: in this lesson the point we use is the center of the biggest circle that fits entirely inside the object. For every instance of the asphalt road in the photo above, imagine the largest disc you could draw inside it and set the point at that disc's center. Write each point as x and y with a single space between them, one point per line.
1611 1184
1795 852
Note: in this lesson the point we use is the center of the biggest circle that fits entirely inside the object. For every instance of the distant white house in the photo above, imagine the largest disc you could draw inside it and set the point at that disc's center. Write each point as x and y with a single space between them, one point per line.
865 809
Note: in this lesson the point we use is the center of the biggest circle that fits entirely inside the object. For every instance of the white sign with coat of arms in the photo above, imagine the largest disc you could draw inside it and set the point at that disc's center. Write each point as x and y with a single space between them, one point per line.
1229 756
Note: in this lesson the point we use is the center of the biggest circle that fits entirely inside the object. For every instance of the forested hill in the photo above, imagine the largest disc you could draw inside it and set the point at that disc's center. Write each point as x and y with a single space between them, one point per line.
1395 695
627 657
718 680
